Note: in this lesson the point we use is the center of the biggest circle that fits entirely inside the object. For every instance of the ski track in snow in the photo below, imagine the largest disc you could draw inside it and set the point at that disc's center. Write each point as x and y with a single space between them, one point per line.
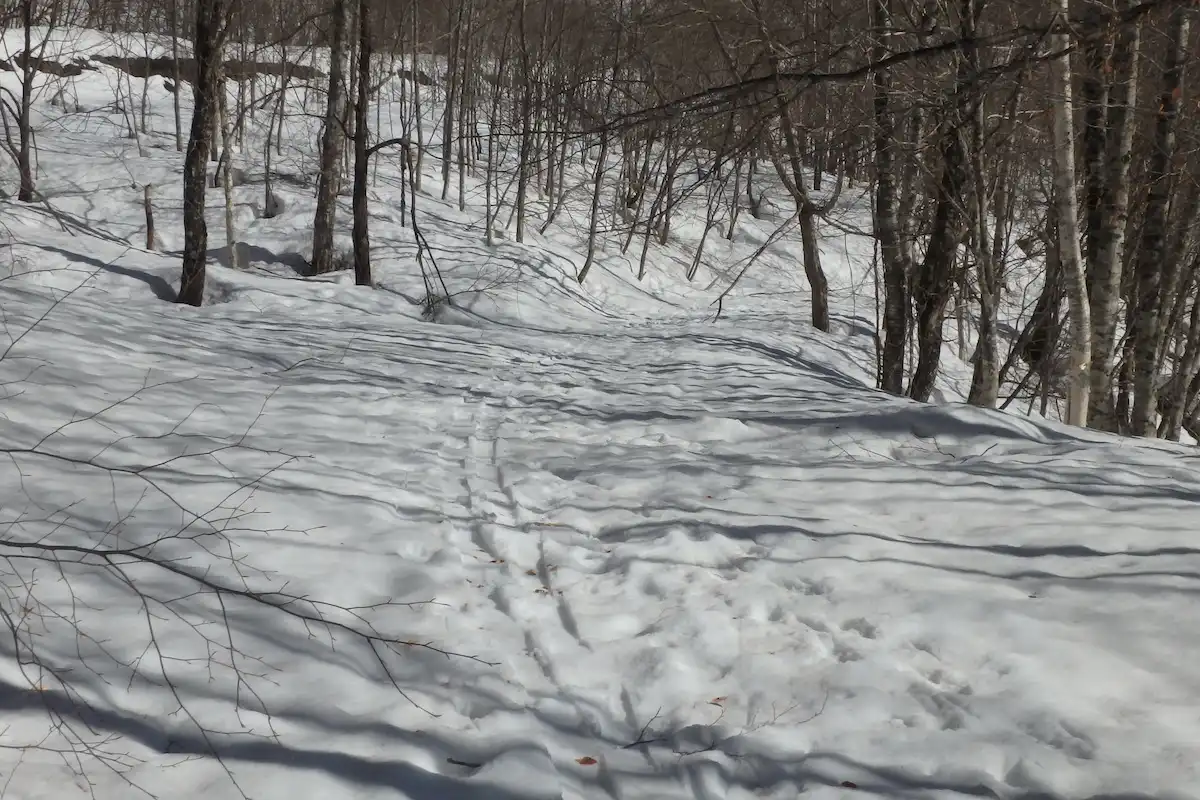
701 553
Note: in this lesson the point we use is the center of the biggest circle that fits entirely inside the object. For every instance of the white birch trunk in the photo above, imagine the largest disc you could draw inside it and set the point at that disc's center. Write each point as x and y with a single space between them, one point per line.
1067 201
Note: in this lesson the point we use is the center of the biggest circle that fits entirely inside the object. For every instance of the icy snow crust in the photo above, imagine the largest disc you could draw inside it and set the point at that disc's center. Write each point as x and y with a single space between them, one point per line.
687 558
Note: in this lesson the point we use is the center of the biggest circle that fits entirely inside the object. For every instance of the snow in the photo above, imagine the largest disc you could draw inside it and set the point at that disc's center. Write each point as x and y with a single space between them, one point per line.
669 556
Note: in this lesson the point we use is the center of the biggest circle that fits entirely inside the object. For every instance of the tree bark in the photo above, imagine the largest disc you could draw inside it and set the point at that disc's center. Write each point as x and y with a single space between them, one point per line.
453 68
934 281
896 301
1153 274
936 277
329 177
148 208
26 191
1104 286
361 231
526 111
1067 202
989 255
175 76
226 168
209 37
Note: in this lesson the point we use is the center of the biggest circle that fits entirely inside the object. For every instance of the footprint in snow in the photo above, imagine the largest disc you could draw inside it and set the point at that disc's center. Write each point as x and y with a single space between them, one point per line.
862 627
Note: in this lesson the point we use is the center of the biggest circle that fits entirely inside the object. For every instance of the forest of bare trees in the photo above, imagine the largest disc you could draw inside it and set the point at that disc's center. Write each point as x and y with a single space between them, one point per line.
1032 166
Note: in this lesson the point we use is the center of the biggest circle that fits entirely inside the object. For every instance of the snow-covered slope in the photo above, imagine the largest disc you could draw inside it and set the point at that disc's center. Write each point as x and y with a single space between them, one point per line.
567 542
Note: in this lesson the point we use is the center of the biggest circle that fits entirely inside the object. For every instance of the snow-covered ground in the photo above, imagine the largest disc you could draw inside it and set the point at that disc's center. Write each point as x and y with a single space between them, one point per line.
566 542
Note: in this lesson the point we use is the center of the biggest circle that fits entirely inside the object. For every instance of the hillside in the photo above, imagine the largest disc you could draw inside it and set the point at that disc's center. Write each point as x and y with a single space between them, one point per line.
550 541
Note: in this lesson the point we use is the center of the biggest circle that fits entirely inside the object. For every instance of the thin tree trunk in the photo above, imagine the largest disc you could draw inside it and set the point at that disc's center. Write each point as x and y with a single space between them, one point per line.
176 78
30 64
226 169
465 101
806 209
453 69
417 168
526 111
1094 97
985 382
1177 400
361 232
492 176
1070 254
148 207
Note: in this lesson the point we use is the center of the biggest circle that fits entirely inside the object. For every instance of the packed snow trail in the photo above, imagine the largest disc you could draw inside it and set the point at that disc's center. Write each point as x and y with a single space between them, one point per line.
705 562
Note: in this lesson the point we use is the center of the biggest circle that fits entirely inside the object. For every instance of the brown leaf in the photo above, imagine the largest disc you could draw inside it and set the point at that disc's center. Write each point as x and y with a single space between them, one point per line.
586 761
849 785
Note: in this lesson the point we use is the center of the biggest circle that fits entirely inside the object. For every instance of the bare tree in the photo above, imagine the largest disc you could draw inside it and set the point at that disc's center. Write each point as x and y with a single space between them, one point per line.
211 29
1154 273
894 254
329 175
1106 226
361 233
1069 253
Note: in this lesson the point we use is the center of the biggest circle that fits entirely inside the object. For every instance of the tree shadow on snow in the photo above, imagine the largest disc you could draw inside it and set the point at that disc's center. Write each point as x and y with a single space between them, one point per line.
257 256
159 285
754 772
406 778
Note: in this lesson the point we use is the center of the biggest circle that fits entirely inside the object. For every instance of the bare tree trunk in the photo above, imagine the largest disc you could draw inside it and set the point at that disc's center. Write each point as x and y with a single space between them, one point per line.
209 39
493 197
453 69
417 168
812 267
226 169
466 101
329 177
1106 273
934 281
594 216
148 207
526 112
807 212
1037 344
361 231
989 252
1093 97
270 203
1176 401
175 76
896 266
29 68
1154 274
735 204
1070 254
1182 243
